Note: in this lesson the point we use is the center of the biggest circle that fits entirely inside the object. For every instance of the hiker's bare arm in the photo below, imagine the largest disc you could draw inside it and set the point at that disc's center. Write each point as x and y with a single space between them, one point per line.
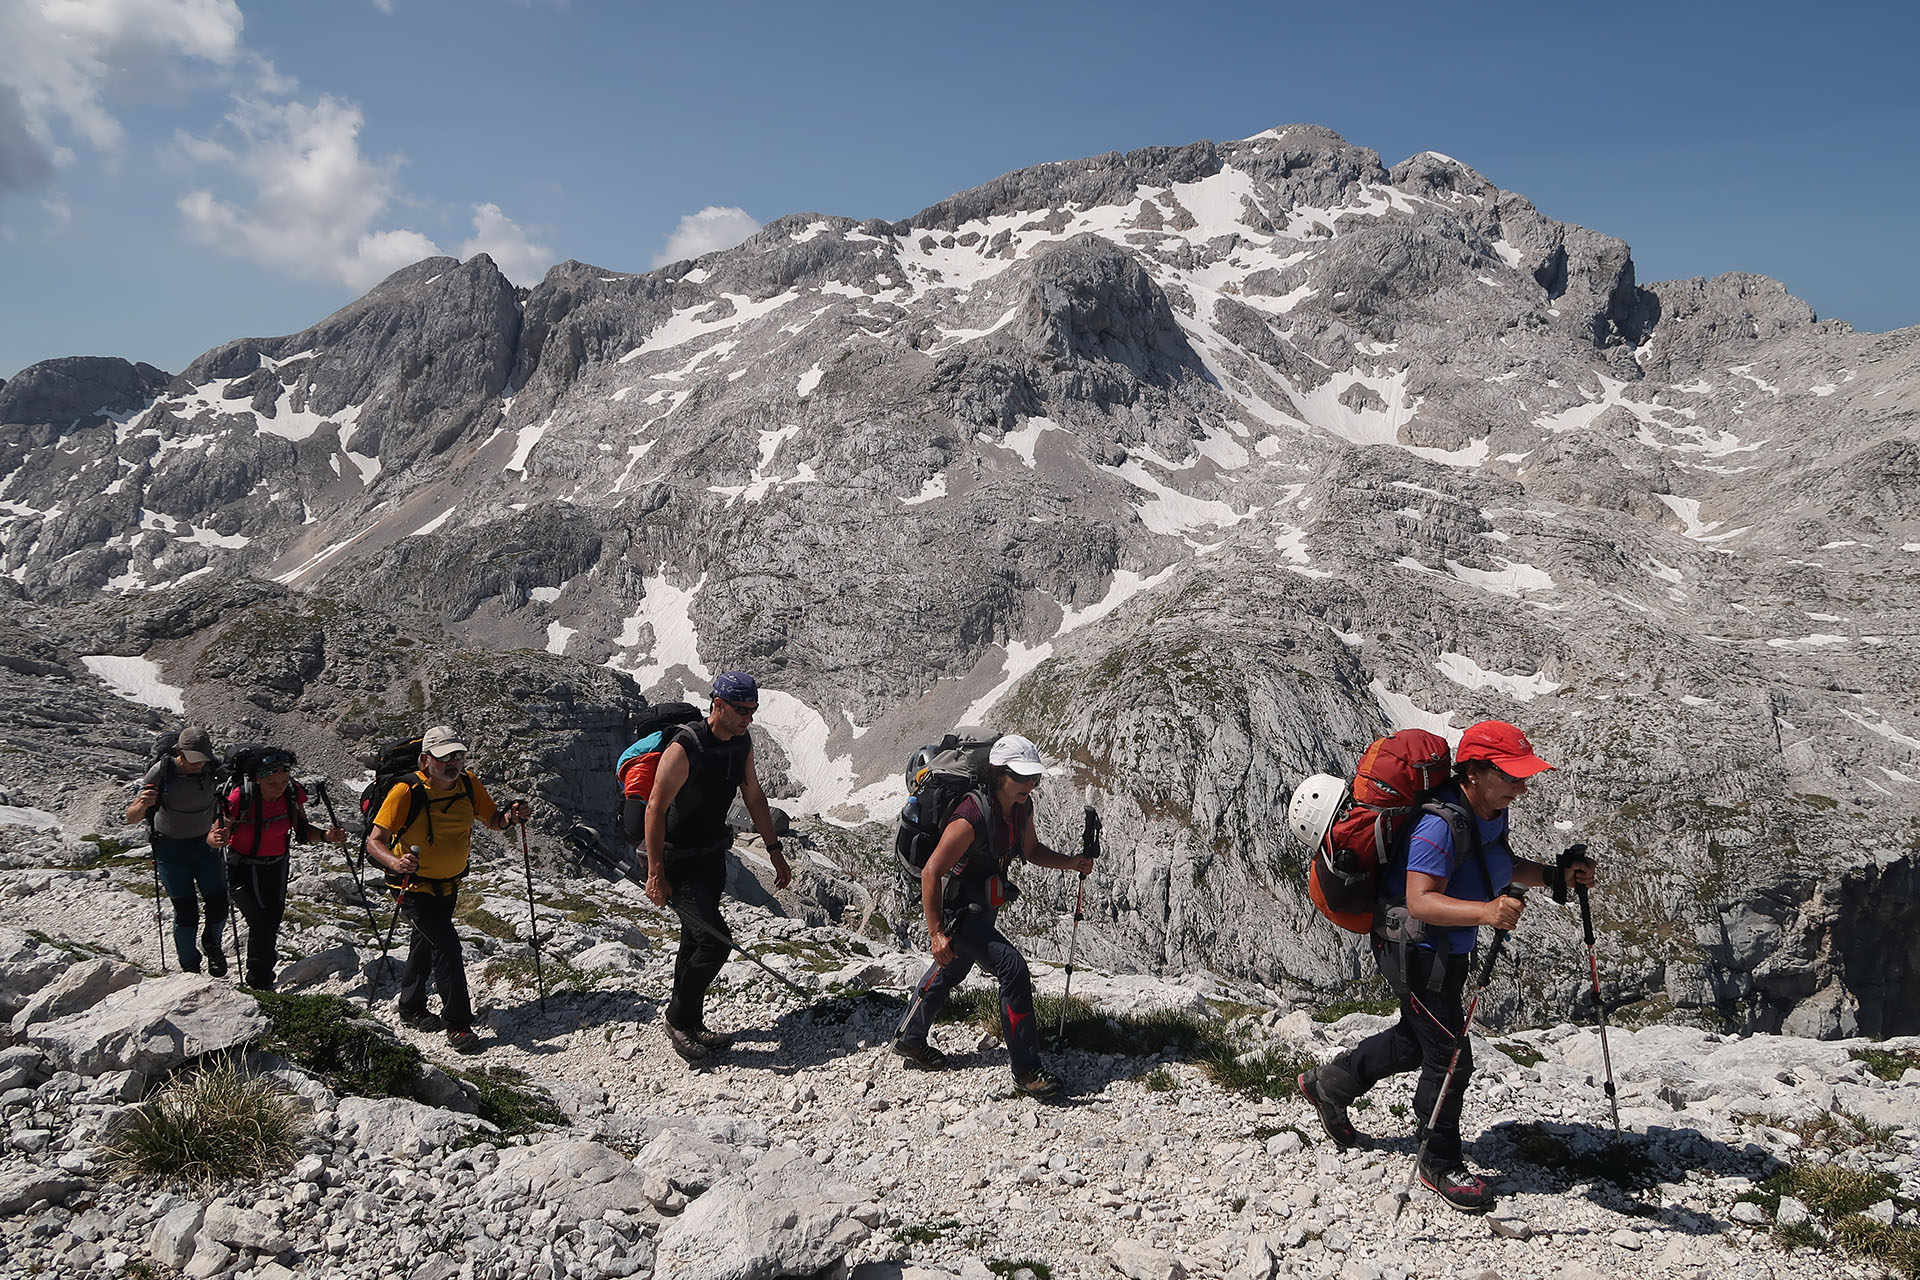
380 849
755 798
146 802
667 781
953 846
1041 856
1427 901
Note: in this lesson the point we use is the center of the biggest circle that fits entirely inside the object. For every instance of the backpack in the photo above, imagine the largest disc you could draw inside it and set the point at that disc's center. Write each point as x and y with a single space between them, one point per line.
399 764
938 779
635 769
1393 782
162 755
242 769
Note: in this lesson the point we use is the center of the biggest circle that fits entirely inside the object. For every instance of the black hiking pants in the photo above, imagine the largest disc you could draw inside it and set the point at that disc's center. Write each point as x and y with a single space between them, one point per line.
977 941
1431 1015
435 951
260 892
697 884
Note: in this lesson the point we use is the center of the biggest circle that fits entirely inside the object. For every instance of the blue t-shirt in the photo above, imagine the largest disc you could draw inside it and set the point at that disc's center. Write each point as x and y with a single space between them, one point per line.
1430 851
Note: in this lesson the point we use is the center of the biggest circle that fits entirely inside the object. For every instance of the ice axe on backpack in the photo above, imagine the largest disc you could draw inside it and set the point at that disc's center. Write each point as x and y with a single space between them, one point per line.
1453 1062
1089 848
583 839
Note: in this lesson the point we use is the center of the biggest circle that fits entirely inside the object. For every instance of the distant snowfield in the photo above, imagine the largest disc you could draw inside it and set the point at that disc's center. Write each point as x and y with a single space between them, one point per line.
1404 713
1464 671
136 680
666 611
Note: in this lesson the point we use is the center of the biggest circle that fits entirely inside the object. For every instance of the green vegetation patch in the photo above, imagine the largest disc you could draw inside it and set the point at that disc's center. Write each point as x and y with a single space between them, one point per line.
207 1127
509 1100
1524 1055
1160 1080
1333 1011
1013 1266
332 1039
554 974
1830 1191
1264 1073
926 1232
1888 1064
1836 1197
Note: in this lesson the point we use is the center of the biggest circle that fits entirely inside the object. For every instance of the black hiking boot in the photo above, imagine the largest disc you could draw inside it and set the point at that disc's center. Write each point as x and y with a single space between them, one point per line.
1333 1116
715 1041
216 962
920 1054
686 1045
1037 1084
421 1020
1459 1186
463 1040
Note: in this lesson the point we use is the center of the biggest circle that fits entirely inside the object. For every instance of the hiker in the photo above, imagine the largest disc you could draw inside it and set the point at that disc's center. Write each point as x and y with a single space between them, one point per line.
179 800
1449 891
976 849
687 838
422 834
263 820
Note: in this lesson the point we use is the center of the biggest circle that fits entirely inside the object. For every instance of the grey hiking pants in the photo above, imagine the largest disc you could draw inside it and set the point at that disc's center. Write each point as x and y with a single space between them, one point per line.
977 941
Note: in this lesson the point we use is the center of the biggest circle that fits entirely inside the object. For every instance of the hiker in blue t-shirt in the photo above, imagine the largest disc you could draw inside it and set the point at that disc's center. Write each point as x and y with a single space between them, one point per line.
1457 863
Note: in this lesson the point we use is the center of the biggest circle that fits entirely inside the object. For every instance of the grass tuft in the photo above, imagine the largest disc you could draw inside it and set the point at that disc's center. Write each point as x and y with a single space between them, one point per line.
510 1102
330 1038
1888 1064
209 1126
1830 1191
1895 1248
1010 1266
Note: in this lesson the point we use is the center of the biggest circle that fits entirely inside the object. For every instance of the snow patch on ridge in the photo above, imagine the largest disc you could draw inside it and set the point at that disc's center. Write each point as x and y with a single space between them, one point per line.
136 680
1404 713
666 611
1464 671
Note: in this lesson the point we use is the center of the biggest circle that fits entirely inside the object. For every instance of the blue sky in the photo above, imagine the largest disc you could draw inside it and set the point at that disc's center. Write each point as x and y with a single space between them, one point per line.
177 173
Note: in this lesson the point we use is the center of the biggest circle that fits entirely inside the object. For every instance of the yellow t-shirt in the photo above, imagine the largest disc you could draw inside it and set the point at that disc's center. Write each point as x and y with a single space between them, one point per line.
444 856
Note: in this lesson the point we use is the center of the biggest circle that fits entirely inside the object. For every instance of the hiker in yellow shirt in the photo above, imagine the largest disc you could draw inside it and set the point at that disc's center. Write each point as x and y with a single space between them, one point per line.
423 835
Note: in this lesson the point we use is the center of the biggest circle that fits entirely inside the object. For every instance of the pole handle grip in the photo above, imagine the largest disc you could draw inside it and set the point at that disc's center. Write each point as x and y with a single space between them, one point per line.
1499 938
1586 913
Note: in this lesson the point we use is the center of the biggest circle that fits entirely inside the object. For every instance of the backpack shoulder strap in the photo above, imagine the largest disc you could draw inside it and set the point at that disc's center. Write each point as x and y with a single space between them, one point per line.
1466 833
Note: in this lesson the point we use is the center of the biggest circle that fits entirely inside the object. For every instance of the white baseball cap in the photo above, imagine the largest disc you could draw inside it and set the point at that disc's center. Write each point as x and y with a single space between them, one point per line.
441 742
1018 755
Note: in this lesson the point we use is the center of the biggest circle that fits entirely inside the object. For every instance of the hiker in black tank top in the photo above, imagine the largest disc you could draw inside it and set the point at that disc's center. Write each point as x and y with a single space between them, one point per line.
687 840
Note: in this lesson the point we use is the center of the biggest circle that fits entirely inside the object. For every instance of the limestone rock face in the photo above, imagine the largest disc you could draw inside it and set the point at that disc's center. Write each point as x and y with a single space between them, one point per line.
150 1027
1201 465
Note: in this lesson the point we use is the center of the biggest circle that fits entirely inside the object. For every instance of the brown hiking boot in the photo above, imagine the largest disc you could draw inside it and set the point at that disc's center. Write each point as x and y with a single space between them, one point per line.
1333 1116
684 1044
919 1053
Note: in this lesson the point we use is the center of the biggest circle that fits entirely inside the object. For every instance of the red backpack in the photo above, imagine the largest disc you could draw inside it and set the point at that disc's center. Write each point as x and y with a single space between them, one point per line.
1395 775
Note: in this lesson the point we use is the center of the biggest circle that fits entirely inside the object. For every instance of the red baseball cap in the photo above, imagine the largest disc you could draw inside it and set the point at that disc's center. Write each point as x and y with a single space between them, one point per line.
1502 746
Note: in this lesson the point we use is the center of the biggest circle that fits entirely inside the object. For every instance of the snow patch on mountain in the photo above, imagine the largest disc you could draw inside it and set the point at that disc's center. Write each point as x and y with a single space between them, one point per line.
137 680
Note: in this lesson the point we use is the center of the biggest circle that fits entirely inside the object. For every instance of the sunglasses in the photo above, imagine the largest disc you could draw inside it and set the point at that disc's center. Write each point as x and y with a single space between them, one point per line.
742 708
1507 777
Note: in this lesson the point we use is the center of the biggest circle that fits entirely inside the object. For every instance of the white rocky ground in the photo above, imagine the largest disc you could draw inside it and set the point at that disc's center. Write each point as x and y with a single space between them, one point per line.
810 1150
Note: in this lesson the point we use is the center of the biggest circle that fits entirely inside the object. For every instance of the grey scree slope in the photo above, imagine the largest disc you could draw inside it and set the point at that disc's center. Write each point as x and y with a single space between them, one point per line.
1200 465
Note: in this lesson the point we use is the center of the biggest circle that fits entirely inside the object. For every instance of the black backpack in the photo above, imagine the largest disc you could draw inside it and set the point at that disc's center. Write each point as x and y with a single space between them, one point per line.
399 764
633 766
938 779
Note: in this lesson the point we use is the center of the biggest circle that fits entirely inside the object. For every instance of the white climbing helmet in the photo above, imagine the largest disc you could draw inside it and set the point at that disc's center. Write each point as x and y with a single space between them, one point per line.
1316 803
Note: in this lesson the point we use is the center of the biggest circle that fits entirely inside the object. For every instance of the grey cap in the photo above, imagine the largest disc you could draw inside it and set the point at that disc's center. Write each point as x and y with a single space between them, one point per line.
441 742
195 744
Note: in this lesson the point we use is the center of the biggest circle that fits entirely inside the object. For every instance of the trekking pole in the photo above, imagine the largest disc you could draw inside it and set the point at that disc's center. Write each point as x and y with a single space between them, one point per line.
1459 1043
159 924
373 992
1599 1005
580 839
1089 848
533 921
359 870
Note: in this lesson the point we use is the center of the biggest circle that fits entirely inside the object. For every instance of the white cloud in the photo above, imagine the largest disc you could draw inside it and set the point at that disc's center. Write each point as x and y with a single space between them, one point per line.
60 59
714 227
520 258
316 198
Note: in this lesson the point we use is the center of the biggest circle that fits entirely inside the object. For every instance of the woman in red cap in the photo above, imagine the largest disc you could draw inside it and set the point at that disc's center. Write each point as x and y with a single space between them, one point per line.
1458 863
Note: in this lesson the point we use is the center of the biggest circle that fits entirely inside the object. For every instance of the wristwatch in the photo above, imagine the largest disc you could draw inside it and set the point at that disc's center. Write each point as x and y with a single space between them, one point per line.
774 846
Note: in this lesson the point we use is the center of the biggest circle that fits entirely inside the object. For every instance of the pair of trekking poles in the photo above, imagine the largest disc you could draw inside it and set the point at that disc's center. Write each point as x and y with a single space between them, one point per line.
1466 1028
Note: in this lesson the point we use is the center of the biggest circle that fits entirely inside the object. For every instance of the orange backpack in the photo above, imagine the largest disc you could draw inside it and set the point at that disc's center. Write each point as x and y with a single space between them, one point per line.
1395 776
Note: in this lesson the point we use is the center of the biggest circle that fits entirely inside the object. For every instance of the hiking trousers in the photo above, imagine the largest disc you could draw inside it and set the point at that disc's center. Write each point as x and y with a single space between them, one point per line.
977 941
697 886
1430 1016
260 892
435 951
191 869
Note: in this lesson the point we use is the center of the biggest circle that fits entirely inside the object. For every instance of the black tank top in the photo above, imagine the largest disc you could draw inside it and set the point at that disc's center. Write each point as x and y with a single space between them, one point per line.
697 821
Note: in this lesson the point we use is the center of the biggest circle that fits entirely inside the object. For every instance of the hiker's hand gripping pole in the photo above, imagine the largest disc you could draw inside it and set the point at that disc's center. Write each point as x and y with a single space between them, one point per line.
1459 1042
1090 850
1599 1005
